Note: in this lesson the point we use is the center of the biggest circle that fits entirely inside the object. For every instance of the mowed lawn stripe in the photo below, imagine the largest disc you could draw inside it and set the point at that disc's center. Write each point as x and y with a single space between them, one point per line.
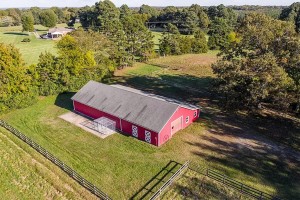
25 174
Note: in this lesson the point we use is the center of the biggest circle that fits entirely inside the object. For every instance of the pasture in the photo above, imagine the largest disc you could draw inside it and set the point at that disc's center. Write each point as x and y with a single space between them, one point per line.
30 50
25 174
123 166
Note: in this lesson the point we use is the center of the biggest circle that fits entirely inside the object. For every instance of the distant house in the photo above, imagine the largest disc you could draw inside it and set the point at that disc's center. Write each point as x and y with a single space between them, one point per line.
148 117
58 32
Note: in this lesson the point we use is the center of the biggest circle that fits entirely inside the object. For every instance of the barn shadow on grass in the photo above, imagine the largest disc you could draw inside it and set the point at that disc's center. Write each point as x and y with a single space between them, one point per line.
63 100
184 87
239 141
157 181
15 33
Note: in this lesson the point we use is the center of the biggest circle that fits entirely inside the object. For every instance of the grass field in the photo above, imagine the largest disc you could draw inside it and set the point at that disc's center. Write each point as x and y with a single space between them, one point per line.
25 174
30 51
157 37
123 166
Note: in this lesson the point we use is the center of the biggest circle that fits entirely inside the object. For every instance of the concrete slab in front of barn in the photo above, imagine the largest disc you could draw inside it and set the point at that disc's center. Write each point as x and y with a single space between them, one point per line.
83 122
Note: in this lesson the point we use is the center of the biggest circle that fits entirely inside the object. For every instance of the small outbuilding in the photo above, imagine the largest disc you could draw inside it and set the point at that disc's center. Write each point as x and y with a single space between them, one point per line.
148 117
58 32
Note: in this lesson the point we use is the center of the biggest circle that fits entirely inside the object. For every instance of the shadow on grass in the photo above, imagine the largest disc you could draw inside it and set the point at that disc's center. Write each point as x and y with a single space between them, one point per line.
185 88
157 181
16 33
240 141
63 100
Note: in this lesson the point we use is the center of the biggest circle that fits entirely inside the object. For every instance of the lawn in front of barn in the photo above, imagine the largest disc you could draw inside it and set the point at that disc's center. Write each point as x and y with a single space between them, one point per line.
122 166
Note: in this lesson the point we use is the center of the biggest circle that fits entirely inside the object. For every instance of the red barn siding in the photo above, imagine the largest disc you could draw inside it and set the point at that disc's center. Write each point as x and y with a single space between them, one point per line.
94 113
124 126
165 133
127 128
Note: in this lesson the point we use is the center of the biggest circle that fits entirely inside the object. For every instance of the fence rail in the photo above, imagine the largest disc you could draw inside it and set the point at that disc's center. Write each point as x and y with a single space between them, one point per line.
170 181
244 189
73 174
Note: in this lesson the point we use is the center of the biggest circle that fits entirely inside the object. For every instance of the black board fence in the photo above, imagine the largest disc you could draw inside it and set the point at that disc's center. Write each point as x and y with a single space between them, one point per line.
239 186
170 181
73 174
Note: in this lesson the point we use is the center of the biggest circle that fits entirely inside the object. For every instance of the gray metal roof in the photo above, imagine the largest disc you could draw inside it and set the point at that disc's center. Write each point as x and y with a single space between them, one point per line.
135 106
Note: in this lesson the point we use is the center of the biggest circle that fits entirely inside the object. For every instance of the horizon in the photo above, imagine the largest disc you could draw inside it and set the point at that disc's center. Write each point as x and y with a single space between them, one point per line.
137 3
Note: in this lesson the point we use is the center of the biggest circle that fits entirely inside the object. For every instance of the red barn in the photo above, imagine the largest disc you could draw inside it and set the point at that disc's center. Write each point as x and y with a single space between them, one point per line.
148 117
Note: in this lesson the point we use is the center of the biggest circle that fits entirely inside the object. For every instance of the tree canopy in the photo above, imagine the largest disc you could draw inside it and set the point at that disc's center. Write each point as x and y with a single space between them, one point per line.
292 14
260 64
28 22
48 18
15 90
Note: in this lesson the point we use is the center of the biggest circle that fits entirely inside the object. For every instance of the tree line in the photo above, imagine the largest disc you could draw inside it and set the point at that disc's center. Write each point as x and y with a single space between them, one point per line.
259 55
14 16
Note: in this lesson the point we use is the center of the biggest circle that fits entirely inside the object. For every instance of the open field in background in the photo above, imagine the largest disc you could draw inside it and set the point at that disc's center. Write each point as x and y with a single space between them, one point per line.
157 37
121 166
30 50
25 174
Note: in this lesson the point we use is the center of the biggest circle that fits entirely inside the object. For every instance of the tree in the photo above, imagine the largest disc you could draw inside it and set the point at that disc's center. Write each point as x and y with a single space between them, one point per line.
28 22
218 32
138 36
292 14
125 11
36 11
150 11
16 90
199 45
171 28
48 18
16 15
73 67
60 15
104 50
260 64
108 17
203 19
171 44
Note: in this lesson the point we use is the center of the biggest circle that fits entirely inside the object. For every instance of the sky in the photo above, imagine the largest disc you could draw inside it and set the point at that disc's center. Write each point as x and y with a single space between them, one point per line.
137 3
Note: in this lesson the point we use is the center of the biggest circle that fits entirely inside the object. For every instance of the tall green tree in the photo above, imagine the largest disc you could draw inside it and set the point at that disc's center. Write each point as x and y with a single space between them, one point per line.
36 11
72 68
108 16
218 32
48 18
16 90
150 11
125 11
260 64
27 22
292 14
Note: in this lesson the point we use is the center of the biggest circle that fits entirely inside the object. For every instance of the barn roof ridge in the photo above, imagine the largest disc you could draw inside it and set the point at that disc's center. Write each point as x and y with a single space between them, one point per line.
142 110
158 97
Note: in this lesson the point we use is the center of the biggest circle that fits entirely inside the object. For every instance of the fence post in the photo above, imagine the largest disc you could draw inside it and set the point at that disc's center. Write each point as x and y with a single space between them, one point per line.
242 187
223 178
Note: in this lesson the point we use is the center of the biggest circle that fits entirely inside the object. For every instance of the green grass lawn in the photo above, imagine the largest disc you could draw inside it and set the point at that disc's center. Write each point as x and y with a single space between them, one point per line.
30 51
25 174
157 37
124 167
119 165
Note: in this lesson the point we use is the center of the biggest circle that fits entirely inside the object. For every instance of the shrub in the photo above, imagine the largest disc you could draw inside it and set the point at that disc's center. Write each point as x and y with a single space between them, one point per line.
26 40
